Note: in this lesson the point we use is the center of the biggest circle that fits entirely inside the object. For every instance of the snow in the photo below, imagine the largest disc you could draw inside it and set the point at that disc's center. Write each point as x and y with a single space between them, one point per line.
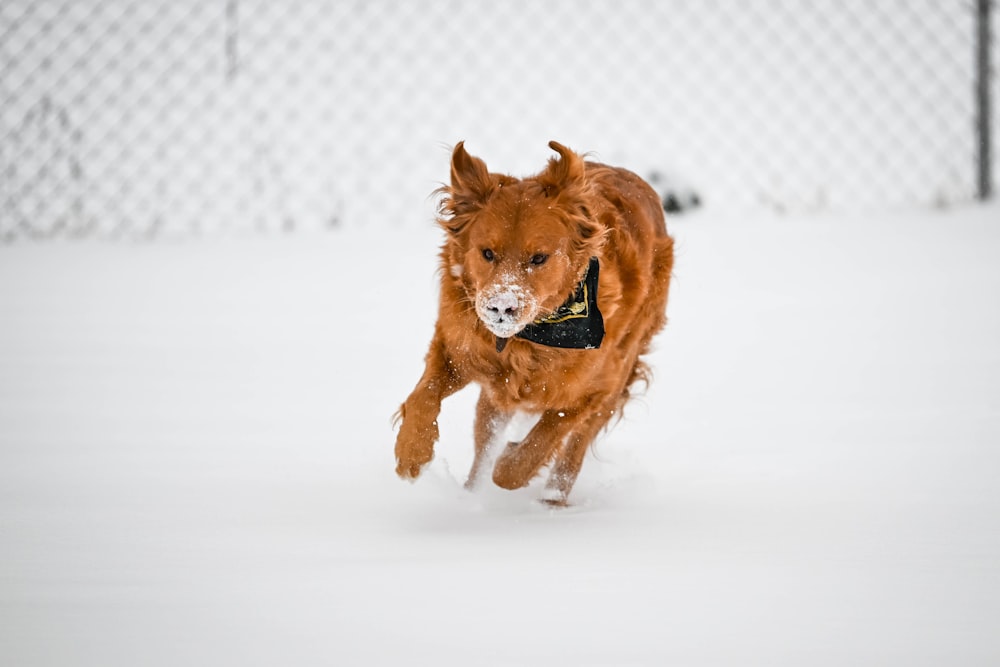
196 460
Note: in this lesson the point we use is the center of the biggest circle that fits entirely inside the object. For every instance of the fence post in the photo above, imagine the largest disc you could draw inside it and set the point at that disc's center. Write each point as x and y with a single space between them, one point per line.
232 39
984 157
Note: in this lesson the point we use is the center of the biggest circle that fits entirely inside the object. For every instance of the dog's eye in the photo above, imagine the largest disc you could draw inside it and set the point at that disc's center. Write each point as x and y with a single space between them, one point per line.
488 255
539 259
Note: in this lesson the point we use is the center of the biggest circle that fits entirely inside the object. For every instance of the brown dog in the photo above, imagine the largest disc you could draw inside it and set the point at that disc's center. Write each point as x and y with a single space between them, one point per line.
551 289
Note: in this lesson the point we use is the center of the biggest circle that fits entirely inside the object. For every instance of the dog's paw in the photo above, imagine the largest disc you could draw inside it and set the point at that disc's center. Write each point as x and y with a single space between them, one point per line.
414 449
411 460
410 470
517 465
554 497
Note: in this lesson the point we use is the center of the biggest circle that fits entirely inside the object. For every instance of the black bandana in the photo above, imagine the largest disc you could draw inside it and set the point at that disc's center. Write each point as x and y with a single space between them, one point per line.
577 324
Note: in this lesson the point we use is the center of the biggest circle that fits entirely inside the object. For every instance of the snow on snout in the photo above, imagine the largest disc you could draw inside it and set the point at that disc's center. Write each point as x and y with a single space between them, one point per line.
505 307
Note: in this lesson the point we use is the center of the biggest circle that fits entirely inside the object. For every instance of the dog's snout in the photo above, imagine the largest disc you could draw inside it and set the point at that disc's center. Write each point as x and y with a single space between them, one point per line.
503 304
503 310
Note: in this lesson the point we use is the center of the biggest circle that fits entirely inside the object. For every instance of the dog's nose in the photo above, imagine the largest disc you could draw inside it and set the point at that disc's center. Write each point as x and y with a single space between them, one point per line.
502 305
510 310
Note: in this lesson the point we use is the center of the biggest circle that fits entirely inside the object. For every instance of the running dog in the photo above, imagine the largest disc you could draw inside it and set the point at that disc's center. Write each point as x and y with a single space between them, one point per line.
552 287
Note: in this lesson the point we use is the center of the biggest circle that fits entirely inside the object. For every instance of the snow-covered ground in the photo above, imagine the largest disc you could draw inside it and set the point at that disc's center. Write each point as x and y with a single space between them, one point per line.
196 460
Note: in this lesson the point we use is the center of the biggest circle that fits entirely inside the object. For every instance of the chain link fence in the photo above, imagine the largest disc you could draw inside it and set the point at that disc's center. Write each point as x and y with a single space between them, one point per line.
142 118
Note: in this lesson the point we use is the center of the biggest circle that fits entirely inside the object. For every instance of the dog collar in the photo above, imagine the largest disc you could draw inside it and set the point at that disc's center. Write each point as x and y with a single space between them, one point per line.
577 324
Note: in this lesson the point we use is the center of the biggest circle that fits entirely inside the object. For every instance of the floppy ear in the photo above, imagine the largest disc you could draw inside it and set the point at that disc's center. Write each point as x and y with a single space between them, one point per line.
563 172
565 177
471 184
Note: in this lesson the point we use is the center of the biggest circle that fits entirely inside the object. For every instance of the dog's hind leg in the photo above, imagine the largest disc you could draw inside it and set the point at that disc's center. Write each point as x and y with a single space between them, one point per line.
569 460
490 422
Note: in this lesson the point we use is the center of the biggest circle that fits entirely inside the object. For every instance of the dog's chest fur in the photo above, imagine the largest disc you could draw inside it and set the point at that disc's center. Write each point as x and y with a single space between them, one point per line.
530 377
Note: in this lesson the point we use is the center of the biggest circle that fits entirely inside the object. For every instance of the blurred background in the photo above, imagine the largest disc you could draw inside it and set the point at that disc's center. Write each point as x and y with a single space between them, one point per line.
146 118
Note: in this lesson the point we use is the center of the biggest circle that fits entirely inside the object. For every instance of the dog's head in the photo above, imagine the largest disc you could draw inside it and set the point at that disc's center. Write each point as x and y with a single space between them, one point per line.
518 246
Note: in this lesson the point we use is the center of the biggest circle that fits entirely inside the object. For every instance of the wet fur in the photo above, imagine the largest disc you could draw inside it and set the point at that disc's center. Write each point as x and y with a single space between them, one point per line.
571 211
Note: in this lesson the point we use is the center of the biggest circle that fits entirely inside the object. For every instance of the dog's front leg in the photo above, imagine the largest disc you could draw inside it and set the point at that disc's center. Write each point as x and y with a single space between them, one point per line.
521 461
418 428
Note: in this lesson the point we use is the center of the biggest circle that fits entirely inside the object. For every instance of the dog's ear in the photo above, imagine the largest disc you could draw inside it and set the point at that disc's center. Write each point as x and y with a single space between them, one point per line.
470 189
471 184
564 172
565 178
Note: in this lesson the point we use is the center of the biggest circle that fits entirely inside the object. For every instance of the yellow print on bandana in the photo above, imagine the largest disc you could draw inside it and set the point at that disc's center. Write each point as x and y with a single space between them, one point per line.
569 311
